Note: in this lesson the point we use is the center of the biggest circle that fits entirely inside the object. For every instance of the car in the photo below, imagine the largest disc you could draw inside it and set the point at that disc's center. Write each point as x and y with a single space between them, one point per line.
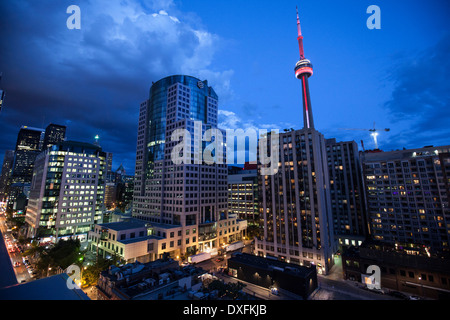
399 295
274 291
219 259
17 264
414 298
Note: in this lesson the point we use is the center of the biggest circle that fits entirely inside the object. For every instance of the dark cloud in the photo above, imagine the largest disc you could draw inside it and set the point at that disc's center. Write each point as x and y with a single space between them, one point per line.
420 101
93 79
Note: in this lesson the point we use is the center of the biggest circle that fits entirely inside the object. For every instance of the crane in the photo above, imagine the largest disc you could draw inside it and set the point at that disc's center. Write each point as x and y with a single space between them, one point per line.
374 133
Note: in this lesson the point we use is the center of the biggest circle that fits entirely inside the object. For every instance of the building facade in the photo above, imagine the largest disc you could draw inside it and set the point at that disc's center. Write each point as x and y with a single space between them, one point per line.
54 133
67 191
243 195
407 196
295 202
28 146
8 161
347 193
191 193
401 269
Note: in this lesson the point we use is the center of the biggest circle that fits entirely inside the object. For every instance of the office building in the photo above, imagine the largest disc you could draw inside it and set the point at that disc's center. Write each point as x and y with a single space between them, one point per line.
8 161
28 146
124 192
192 193
54 133
347 193
67 191
2 95
243 194
110 195
407 196
295 202
109 158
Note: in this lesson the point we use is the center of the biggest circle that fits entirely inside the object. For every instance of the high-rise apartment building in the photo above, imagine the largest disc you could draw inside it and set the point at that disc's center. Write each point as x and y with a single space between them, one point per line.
408 196
188 194
295 202
346 192
67 191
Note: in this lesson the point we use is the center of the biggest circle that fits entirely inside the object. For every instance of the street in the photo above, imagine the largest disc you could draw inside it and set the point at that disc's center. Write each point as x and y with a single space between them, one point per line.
11 256
330 287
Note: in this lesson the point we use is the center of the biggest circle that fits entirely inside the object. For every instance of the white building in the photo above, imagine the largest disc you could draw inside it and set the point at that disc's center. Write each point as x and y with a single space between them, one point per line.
67 191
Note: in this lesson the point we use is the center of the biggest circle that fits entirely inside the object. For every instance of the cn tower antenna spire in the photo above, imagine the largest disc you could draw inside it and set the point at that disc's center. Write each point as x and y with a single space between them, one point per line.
299 37
303 70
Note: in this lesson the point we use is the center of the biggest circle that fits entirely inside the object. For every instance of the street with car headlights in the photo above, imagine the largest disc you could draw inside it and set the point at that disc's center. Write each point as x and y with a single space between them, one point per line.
13 268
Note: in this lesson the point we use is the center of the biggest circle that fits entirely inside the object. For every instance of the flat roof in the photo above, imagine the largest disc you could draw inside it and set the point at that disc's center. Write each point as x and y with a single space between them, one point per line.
133 223
264 263
124 225
139 239
51 288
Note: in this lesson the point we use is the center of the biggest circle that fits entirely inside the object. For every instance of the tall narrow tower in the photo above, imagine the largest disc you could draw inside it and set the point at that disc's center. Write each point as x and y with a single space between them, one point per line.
303 70
295 203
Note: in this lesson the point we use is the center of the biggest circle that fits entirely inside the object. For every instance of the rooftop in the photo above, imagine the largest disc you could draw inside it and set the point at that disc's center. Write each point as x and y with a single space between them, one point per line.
406 154
51 288
265 263
124 225
133 223
136 280
139 239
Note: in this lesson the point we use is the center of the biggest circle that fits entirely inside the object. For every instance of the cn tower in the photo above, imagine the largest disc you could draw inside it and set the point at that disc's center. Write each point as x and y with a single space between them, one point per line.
303 70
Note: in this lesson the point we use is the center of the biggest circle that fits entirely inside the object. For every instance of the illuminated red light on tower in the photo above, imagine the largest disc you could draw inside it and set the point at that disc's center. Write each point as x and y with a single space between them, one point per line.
303 70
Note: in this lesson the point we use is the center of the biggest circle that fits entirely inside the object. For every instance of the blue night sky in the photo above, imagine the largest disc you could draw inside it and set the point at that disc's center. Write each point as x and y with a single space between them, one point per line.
93 79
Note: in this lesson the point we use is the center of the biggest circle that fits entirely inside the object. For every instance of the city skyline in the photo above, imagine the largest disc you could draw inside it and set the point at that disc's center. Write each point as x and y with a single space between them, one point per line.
345 186
92 80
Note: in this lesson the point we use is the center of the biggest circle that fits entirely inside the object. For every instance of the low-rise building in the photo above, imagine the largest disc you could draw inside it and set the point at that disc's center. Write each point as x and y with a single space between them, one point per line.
137 240
154 280
270 273
405 268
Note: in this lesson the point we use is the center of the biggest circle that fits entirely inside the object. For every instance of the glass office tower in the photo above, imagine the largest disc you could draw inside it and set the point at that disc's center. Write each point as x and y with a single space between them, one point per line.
193 194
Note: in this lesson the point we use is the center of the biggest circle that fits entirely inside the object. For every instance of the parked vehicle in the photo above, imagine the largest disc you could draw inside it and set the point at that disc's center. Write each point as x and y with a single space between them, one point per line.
234 246
199 257
398 295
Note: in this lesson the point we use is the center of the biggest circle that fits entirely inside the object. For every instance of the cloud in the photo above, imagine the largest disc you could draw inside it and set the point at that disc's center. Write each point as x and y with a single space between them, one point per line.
230 120
420 101
95 78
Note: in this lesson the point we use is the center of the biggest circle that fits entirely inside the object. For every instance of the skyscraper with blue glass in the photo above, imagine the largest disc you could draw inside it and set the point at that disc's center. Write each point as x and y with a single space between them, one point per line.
192 194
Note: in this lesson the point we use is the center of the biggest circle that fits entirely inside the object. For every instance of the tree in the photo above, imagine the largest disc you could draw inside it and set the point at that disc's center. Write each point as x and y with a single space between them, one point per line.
91 273
63 254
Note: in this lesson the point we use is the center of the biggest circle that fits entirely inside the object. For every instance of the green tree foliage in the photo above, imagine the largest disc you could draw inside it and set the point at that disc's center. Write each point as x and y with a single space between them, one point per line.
229 290
92 272
62 254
